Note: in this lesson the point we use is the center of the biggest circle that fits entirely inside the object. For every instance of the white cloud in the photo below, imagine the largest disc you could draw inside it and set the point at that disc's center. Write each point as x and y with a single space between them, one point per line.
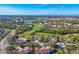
7 10
53 11
13 11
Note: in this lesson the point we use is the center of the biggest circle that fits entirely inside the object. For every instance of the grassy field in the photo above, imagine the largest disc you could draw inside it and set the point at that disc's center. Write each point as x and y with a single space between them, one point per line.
27 34
37 27
7 30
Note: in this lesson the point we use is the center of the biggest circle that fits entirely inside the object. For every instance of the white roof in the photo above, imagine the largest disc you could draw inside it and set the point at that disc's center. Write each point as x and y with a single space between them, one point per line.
22 38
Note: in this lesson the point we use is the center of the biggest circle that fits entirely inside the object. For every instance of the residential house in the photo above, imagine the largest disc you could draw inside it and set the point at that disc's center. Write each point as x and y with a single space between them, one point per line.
24 50
44 50
19 40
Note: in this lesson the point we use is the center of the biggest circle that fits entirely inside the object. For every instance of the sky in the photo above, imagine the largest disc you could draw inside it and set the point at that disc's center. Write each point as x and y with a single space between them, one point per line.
39 9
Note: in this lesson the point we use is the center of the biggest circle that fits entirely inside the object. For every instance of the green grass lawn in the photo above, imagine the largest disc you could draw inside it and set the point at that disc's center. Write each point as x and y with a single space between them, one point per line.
7 30
36 27
47 34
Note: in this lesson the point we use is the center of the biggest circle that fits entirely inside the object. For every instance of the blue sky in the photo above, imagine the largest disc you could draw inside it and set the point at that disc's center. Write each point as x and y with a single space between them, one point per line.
39 9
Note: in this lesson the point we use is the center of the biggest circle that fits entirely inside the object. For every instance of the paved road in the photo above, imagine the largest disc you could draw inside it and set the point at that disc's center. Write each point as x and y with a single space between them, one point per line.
4 42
